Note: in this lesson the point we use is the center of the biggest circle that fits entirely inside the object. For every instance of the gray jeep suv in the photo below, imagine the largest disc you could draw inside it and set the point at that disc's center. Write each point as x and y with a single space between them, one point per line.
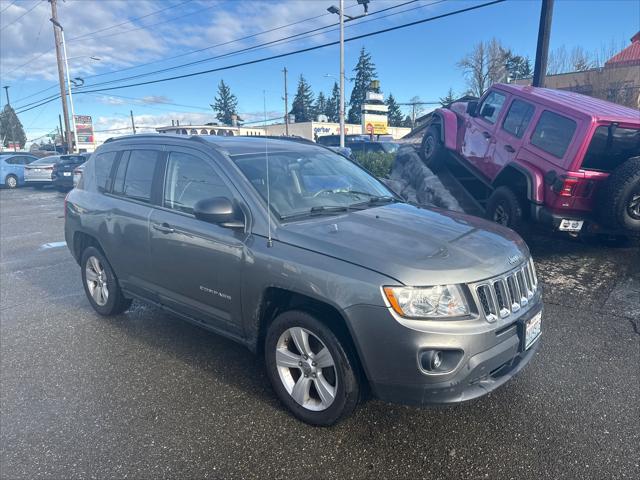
307 259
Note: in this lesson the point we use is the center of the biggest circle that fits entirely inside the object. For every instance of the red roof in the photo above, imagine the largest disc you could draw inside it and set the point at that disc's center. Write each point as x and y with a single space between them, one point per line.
627 57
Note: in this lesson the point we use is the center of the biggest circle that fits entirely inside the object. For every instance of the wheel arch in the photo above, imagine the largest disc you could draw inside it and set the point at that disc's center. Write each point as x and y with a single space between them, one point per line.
448 124
519 180
82 240
276 300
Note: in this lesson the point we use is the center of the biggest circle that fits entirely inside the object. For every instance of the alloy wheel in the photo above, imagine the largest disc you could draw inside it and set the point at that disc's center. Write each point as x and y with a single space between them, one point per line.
11 182
634 206
306 368
96 279
429 146
500 215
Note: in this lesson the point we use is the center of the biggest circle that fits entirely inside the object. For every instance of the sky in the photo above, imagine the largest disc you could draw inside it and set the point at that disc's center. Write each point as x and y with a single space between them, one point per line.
111 39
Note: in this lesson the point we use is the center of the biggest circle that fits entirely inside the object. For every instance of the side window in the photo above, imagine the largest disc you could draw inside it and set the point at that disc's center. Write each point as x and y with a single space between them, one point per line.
138 177
118 181
190 179
490 109
553 133
518 118
103 164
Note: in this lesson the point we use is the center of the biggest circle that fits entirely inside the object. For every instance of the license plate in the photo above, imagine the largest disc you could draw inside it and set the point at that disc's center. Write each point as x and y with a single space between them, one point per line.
532 330
66 174
567 225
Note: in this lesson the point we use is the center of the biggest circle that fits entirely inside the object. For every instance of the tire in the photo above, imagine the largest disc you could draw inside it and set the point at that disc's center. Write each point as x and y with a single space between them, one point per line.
287 367
432 151
97 274
620 198
505 208
11 181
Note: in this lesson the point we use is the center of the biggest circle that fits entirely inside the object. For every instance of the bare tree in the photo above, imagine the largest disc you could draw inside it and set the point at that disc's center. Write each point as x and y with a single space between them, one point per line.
558 61
485 65
580 60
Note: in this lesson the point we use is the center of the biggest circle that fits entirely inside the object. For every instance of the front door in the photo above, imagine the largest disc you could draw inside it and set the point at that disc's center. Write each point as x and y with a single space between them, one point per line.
197 265
479 130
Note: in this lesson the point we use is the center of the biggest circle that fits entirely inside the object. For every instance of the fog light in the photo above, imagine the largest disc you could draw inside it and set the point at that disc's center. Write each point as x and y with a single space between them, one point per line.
437 360
432 360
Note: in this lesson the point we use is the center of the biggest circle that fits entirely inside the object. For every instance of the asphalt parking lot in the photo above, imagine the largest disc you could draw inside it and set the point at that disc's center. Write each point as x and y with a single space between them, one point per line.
145 395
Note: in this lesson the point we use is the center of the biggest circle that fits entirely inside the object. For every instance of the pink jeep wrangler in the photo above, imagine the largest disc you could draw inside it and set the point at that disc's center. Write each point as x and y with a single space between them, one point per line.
549 156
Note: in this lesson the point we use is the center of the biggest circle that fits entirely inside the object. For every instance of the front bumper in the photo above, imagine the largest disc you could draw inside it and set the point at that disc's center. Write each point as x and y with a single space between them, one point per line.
390 354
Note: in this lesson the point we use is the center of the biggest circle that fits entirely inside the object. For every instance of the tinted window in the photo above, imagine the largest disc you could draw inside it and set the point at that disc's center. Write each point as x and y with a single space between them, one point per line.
553 133
518 118
46 160
19 160
118 182
190 179
102 166
610 147
491 106
138 178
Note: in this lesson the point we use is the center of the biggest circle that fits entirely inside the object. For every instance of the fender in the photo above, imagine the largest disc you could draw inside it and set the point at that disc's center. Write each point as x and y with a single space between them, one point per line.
449 130
535 180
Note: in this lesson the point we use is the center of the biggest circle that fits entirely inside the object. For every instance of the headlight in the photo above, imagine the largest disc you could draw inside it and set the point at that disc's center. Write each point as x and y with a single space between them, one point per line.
441 301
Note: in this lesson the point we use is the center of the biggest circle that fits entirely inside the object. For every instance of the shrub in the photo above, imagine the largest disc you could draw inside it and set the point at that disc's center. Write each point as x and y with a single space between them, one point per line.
378 163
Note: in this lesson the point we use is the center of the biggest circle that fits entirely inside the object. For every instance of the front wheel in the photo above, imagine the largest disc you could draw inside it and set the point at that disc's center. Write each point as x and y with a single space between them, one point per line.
101 284
504 207
432 149
310 370
11 181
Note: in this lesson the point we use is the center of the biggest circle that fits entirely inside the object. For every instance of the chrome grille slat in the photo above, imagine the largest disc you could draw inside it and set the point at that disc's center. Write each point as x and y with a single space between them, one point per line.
506 294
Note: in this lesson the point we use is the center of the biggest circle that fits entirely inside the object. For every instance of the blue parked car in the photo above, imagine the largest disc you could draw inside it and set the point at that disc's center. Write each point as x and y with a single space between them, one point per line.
12 168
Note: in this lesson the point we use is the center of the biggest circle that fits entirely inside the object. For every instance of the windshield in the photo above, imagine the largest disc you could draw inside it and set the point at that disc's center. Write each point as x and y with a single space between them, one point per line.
610 147
46 161
310 180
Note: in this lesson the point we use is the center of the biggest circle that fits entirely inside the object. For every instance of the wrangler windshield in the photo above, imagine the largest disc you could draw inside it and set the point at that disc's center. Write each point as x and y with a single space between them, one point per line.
610 147
311 181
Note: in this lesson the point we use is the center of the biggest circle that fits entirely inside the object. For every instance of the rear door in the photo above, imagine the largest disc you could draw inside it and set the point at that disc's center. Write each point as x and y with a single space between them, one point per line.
480 130
197 266
509 137
127 220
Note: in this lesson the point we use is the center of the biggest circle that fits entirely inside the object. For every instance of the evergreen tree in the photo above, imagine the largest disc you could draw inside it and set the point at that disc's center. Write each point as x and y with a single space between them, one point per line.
407 122
365 71
332 110
448 99
10 128
394 115
518 66
225 104
320 106
302 107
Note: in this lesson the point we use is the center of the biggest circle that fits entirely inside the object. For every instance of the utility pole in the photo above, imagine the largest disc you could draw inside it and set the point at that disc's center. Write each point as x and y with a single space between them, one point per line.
61 132
63 94
286 104
542 50
341 73
13 132
133 124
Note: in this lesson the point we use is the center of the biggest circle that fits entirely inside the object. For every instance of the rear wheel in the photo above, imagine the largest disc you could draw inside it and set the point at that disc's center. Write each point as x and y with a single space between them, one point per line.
101 284
11 181
505 207
620 197
310 370
431 149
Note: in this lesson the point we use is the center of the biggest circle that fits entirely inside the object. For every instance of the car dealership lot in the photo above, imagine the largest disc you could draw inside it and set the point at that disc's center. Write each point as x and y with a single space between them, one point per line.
145 395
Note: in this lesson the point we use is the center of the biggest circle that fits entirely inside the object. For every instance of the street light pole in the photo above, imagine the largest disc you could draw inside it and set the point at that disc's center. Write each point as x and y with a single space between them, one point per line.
341 73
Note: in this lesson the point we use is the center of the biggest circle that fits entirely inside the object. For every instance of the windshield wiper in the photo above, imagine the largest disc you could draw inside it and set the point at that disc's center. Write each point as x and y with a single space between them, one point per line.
318 210
375 200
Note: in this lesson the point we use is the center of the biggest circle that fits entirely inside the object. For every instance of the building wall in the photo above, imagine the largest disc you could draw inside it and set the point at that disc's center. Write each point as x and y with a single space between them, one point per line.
619 85
309 130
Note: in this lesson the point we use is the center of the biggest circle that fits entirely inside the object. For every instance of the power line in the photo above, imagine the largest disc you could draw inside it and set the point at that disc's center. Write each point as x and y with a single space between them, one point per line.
7 7
130 20
272 57
280 41
11 23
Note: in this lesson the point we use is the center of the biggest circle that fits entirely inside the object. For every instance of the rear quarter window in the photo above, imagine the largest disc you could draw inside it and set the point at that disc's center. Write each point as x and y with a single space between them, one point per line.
553 133
138 178
610 147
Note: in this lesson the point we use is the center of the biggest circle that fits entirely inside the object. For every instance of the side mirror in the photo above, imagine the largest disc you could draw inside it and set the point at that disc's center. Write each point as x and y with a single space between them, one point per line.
218 210
487 111
472 108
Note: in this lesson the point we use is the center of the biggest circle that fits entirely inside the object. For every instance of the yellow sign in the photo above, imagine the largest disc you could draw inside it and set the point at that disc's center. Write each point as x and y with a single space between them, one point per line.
376 127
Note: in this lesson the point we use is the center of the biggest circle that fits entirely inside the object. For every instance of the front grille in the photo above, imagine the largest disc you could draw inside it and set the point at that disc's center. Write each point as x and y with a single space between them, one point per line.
503 296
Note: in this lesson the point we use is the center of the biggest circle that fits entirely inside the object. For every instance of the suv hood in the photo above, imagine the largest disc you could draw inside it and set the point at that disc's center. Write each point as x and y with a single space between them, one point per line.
413 245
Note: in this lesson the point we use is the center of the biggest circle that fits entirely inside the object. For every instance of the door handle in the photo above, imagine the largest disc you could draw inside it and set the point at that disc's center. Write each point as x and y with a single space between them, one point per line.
509 148
486 134
164 228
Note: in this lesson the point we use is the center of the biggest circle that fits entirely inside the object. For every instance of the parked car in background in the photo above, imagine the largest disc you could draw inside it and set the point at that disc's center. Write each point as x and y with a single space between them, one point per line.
39 172
12 168
361 144
301 255
553 157
63 171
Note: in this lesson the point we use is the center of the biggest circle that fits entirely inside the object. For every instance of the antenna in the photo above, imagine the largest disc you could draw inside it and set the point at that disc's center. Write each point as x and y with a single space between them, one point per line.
266 156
